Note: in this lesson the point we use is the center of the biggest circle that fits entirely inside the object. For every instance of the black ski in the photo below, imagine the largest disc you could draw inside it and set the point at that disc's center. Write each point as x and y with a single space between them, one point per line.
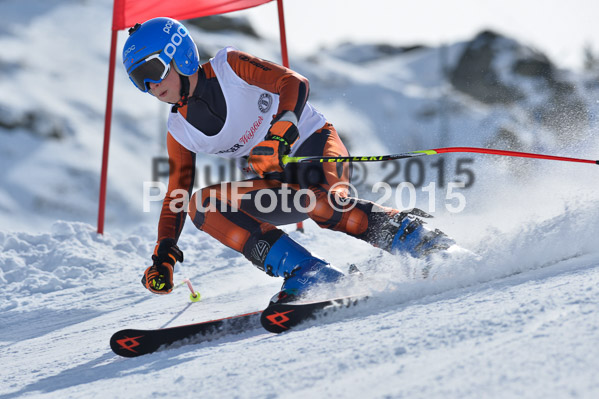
276 318
132 342
280 317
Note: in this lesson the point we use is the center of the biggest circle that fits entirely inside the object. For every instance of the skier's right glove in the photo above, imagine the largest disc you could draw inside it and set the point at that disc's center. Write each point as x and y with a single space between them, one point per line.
158 278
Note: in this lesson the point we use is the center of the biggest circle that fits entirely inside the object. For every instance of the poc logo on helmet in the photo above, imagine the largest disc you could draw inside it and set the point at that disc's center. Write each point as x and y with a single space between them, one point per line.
176 39
167 27
130 49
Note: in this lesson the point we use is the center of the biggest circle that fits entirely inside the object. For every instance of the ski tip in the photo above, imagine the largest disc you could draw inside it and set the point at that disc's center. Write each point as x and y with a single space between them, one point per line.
128 343
274 323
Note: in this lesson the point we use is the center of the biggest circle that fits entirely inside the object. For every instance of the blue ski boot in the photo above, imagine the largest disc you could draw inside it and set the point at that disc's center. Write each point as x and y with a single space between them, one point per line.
405 233
300 268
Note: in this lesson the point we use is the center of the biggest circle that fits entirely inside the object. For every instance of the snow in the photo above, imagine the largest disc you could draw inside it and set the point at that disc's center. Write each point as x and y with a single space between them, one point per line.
509 329
517 320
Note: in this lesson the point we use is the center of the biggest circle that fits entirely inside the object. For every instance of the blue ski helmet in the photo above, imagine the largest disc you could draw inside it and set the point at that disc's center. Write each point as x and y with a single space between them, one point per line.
151 47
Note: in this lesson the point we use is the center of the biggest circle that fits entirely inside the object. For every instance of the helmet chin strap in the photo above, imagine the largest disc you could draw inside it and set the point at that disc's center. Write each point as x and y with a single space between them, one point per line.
184 93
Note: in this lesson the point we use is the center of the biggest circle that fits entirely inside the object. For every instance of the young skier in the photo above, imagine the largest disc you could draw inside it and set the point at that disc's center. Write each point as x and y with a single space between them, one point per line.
243 107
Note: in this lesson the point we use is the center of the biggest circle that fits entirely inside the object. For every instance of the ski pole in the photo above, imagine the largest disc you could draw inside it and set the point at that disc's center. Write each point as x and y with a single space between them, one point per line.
195 295
378 158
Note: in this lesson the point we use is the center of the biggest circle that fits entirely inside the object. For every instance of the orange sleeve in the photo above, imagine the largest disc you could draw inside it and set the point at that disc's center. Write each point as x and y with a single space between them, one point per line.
181 176
292 88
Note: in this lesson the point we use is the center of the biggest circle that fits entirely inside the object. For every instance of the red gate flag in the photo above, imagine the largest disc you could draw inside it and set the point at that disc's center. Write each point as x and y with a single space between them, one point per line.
127 13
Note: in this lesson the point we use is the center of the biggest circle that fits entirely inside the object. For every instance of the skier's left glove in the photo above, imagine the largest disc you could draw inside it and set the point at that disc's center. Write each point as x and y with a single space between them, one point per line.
267 155
158 278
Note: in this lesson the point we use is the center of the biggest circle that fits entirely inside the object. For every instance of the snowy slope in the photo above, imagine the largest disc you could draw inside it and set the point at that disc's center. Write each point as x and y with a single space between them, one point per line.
521 321
521 325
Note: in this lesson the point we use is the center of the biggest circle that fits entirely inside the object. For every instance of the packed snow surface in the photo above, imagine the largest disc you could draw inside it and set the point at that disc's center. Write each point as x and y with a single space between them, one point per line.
520 321
517 318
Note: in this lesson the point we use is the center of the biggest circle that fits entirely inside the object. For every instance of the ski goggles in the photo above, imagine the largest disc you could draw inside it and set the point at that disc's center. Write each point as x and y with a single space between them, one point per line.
152 69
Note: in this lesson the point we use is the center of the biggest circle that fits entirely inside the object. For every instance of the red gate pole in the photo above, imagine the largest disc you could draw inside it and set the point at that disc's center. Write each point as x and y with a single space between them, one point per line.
282 33
107 123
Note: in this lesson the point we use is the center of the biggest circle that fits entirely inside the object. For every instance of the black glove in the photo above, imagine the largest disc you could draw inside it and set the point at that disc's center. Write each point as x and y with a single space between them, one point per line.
158 278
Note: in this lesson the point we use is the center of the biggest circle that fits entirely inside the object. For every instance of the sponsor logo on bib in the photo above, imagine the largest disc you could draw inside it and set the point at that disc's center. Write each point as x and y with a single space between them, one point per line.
265 102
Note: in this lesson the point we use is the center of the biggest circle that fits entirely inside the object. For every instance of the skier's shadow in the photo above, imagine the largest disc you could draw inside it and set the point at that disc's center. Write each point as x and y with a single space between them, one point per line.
103 368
